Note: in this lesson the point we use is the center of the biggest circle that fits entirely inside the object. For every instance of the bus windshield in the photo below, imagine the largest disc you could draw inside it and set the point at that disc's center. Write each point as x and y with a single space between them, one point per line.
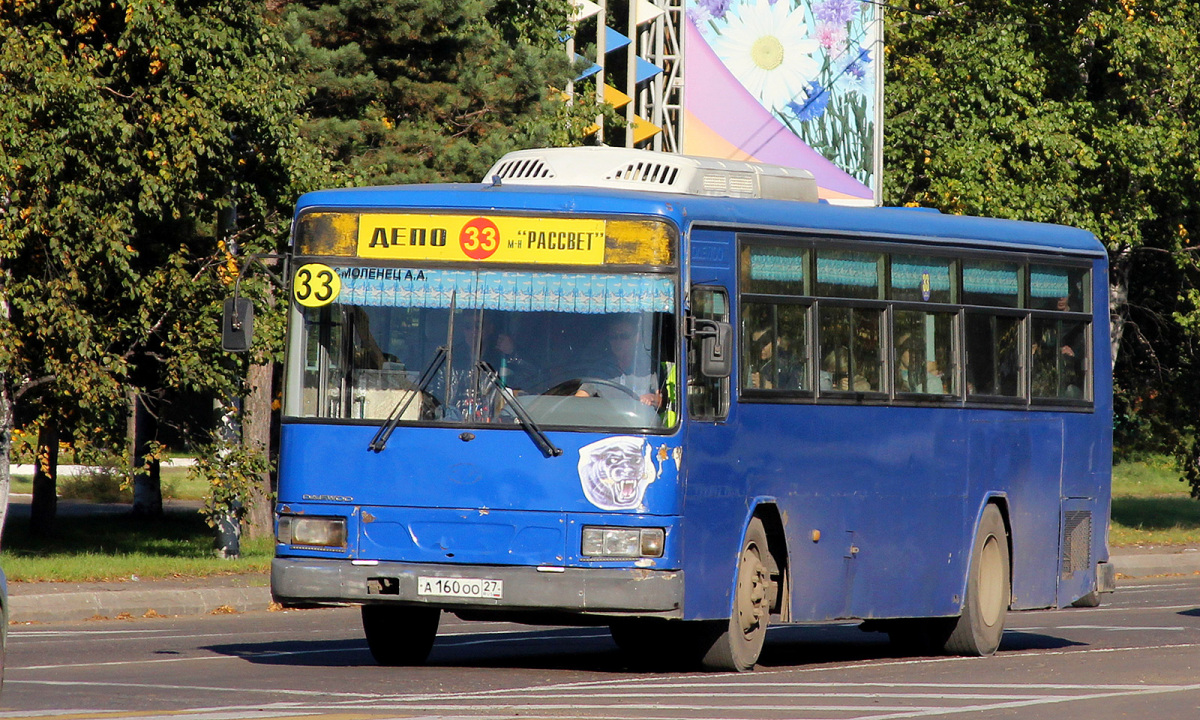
577 350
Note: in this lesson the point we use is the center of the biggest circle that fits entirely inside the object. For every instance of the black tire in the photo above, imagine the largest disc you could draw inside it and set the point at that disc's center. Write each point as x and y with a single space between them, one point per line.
978 630
399 635
739 641
1090 600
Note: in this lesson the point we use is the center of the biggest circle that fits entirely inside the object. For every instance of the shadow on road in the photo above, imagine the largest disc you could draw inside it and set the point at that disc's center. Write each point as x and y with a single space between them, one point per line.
592 649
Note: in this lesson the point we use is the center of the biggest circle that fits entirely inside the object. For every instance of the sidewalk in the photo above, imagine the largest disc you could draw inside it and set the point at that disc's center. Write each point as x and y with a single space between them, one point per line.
69 602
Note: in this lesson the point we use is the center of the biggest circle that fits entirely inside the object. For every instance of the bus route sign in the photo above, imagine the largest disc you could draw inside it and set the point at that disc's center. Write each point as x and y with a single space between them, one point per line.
473 238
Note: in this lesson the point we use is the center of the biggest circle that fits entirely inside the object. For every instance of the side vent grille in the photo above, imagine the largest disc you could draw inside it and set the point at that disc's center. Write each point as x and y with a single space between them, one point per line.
523 168
646 173
1076 542
729 184
741 185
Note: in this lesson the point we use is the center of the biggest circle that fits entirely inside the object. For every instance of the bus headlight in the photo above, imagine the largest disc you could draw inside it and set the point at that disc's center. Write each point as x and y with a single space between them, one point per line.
312 531
623 542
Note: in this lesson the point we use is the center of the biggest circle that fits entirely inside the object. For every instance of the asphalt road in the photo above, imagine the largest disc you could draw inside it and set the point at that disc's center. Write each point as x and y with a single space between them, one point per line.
1138 656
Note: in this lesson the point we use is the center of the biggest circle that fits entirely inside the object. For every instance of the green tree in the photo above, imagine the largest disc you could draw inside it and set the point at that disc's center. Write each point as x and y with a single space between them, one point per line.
1080 113
424 90
129 127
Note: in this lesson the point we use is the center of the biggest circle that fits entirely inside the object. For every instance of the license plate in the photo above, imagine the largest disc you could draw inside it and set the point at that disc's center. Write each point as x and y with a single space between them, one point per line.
460 587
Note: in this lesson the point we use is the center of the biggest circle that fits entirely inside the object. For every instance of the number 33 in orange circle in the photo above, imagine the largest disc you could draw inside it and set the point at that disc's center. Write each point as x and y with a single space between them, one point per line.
316 285
479 238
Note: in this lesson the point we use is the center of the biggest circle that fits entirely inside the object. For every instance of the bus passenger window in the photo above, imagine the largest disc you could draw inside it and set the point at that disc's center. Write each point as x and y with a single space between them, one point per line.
1062 289
993 355
774 346
768 270
851 360
990 282
924 353
1060 359
916 278
848 274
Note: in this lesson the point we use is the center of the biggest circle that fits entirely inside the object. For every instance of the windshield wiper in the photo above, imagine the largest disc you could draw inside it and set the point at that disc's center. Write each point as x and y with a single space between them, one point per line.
491 377
379 442
445 352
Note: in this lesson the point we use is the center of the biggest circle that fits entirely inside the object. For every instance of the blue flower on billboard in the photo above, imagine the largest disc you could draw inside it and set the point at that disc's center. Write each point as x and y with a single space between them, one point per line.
813 106
856 75
768 49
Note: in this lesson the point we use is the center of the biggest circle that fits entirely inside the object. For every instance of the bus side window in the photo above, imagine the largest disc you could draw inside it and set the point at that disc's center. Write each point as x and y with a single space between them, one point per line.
708 398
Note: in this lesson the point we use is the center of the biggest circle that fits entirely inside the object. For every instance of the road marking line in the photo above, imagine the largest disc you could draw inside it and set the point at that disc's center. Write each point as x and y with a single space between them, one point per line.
164 686
933 712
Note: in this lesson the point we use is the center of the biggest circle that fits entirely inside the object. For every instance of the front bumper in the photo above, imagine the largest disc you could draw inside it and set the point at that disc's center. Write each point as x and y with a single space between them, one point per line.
611 591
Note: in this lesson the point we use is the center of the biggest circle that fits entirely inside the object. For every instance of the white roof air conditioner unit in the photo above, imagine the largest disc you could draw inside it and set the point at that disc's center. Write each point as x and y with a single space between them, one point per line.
605 167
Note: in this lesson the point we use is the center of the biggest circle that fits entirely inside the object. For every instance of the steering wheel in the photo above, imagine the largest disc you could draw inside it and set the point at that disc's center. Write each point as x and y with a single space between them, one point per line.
575 383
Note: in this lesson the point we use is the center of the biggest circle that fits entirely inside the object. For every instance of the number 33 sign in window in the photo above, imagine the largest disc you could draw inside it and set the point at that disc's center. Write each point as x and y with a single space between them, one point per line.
316 285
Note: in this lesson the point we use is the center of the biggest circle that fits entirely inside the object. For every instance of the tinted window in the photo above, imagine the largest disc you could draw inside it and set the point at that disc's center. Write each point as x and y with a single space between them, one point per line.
848 274
774 346
851 360
1060 359
924 359
774 270
989 282
922 279
993 355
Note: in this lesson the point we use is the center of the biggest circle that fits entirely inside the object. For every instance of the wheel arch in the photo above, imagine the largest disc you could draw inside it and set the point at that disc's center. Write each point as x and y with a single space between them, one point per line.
766 510
1000 500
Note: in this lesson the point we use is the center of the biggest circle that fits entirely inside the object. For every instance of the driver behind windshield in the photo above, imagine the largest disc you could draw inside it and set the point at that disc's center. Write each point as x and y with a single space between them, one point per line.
626 362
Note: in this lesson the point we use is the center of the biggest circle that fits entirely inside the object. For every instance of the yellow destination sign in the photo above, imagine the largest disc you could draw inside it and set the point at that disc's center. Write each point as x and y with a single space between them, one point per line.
476 238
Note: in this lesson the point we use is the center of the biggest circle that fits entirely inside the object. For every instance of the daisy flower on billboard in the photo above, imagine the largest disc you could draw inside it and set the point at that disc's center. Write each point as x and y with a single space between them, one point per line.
767 48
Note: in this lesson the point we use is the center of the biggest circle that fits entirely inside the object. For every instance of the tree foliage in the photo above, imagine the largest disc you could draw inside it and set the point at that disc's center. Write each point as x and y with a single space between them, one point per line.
425 91
130 127
1082 113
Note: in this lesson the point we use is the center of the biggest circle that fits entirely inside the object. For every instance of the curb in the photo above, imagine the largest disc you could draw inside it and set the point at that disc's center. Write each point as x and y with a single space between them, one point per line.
1185 562
73 606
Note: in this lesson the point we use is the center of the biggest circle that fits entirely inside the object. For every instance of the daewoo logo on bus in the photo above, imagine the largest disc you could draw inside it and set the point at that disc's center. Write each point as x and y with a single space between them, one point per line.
329 498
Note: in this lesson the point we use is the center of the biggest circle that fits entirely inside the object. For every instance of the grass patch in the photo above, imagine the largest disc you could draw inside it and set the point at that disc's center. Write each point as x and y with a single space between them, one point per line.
100 486
1152 506
115 546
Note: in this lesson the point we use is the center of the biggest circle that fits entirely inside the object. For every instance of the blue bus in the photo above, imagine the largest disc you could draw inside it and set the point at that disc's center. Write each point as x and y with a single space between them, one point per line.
683 398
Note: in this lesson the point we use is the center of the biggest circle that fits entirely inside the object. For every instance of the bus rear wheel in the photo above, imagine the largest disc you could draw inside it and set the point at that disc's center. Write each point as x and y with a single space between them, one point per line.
979 629
740 641
400 635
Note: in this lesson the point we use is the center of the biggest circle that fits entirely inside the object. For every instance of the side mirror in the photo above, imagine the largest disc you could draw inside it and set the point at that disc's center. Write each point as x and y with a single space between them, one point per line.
237 324
716 348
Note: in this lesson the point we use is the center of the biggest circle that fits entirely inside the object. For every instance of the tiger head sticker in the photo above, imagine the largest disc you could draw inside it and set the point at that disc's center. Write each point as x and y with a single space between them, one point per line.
616 471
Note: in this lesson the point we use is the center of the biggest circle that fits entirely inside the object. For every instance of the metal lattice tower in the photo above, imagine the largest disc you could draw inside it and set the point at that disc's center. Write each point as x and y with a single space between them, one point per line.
651 92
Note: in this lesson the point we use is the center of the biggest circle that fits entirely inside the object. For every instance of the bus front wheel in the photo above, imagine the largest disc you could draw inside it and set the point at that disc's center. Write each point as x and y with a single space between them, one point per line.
400 635
979 629
739 643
